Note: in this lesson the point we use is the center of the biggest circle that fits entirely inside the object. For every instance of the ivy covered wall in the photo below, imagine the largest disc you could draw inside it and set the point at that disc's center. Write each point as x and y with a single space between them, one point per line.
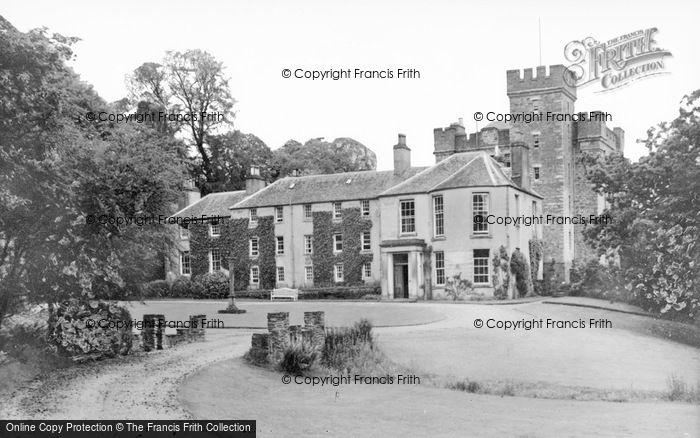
351 227
234 241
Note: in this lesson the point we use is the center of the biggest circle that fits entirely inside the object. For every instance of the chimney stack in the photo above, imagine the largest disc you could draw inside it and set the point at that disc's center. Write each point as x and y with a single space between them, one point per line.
520 164
402 156
254 181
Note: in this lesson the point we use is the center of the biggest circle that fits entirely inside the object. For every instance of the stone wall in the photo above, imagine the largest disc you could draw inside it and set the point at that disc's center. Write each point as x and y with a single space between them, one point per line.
269 347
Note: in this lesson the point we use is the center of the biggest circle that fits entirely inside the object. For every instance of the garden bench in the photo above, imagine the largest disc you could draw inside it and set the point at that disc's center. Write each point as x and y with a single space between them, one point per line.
284 292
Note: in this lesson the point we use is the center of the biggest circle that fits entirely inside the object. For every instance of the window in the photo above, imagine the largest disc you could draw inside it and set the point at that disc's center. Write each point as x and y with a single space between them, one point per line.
408 216
185 268
439 267
214 228
279 214
253 214
536 171
481 266
366 242
535 140
254 248
506 158
365 207
280 274
337 210
280 245
309 273
338 272
517 208
184 233
438 216
480 209
214 260
534 208
307 211
308 244
254 275
367 270
337 243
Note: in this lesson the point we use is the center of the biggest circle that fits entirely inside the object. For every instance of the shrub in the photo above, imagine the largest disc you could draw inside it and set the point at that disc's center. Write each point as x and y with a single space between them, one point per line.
457 287
214 285
78 328
342 345
501 273
184 287
466 386
155 289
521 269
593 279
298 357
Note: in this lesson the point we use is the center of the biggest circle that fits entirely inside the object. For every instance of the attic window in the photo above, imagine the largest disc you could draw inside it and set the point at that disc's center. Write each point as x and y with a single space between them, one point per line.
348 181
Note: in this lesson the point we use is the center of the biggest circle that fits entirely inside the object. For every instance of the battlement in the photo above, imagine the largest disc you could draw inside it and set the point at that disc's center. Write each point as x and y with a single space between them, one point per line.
525 81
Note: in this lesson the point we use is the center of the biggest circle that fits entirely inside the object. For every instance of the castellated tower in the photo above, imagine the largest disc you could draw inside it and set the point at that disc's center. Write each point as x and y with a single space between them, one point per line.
554 148
551 149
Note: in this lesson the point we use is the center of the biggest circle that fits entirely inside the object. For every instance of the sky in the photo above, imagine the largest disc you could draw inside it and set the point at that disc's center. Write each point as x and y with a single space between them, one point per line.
461 49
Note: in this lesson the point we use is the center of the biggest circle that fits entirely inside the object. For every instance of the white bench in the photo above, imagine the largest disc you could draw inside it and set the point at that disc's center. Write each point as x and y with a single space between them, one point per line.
284 292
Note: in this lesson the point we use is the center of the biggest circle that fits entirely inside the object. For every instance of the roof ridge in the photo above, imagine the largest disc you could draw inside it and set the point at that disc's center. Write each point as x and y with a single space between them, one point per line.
489 170
454 174
407 180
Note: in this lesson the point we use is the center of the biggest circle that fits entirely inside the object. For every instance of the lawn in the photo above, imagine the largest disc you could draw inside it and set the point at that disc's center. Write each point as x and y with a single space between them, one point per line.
231 389
625 357
337 313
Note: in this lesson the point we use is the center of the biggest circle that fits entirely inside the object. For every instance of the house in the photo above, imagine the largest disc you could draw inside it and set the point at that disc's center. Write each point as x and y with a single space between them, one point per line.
412 229
408 229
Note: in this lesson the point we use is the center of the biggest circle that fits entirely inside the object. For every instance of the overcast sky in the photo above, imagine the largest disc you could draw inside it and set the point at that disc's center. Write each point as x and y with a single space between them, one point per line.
462 50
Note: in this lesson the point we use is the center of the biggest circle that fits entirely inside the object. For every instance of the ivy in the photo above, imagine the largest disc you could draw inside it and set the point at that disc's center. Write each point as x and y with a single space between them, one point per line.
233 241
323 258
201 243
351 227
265 231
239 252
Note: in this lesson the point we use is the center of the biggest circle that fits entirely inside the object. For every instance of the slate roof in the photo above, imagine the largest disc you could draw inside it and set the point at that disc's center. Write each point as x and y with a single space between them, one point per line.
465 169
326 188
214 204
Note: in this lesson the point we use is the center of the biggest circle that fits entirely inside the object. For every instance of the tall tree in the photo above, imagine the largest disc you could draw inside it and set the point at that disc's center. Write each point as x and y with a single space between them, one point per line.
655 205
191 84
61 173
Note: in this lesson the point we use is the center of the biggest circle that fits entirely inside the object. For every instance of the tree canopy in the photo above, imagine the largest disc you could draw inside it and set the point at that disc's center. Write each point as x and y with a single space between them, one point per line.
655 207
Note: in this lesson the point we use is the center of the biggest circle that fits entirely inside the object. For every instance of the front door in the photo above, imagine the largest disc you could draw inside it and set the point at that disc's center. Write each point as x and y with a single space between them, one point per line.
401 275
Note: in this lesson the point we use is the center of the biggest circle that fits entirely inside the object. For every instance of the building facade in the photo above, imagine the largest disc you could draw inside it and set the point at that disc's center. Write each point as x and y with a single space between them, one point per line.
413 230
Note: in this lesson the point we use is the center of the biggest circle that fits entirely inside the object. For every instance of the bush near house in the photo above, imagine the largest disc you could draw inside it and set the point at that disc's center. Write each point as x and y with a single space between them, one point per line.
155 289
214 285
185 287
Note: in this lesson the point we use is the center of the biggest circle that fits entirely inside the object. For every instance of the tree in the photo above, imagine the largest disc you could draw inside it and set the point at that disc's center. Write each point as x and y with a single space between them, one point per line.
192 88
654 204
232 155
317 156
58 170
